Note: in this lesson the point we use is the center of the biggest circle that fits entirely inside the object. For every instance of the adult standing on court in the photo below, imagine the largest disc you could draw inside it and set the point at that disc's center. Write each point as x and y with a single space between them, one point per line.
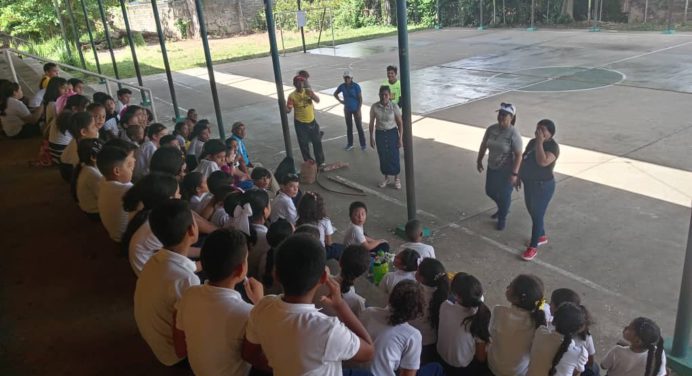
536 174
394 85
503 141
307 129
386 130
353 101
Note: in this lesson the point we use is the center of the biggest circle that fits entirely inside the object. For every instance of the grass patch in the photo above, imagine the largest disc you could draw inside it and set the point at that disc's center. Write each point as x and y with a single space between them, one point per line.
189 53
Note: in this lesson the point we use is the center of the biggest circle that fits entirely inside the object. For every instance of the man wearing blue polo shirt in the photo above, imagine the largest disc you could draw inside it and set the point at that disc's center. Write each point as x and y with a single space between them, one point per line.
352 101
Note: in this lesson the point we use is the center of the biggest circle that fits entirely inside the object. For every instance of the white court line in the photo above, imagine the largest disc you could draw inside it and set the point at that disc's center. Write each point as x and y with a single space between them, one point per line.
627 174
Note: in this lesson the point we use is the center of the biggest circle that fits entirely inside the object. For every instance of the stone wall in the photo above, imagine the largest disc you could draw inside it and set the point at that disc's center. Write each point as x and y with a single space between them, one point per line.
223 17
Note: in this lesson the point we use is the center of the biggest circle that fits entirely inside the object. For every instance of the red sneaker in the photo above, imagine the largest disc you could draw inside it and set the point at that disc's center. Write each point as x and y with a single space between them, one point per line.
529 254
543 240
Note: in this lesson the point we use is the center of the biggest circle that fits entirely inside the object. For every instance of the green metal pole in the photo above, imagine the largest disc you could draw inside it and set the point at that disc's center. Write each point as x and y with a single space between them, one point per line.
75 33
56 5
91 36
128 31
107 34
683 320
480 21
210 67
405 102
164 55
302 31
277 77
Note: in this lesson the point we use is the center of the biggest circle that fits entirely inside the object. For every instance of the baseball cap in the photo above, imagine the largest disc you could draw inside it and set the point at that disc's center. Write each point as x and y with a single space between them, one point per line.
348 73
508 108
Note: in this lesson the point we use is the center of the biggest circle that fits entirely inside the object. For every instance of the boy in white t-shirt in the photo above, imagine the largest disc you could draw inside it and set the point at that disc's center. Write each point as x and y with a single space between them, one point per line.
211 318
414 235
283 205
116 163
165 277
398 345
355 234
294 336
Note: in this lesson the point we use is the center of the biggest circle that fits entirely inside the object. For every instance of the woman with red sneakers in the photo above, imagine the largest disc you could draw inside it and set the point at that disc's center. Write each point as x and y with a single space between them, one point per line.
536 174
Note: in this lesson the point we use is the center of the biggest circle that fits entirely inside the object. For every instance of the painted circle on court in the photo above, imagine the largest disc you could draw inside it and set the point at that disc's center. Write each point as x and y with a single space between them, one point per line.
542 79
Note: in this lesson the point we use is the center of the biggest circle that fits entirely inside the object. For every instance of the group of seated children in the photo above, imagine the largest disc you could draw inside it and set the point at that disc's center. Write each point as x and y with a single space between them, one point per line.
232 231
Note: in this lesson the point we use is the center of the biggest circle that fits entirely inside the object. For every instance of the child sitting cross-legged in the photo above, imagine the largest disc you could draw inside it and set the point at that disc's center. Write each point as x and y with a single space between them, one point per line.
312 210
211 318
355 234
282 205
116 163
294 336
398 345
354 262
406 264
165 278
414 235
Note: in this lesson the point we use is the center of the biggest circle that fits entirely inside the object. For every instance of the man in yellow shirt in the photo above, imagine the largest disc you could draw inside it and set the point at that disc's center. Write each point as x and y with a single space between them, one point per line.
307 129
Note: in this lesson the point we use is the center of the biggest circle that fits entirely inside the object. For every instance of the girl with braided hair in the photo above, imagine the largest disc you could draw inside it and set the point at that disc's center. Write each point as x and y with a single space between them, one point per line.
643 357
463 333
354 262
555 353
512 328
432 277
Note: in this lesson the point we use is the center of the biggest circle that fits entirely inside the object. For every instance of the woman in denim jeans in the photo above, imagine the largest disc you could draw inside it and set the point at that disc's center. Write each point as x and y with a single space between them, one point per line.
536 174
503 141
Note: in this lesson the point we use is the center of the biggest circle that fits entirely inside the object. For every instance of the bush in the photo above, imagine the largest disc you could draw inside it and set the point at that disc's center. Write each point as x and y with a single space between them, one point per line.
183 27
137 38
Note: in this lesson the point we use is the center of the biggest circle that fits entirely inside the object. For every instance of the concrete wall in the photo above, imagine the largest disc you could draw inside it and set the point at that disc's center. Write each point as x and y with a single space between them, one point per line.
223 17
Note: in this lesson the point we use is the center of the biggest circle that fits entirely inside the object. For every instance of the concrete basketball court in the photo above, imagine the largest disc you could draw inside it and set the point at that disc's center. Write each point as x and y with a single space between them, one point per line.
618 221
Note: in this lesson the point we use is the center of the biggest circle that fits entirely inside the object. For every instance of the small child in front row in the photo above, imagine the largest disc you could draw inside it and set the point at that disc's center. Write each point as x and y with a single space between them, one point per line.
116 164
312 210
294 336
282 205
644 355
512 328
406 264
87 177
414 235
165 278
211 318
355 234
398 345
554 352
583 338
462 334
354 262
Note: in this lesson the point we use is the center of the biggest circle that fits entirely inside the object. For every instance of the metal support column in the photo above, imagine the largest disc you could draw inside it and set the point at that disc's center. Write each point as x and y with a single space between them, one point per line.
683 320
11 64
75 33
164 55
480 20
91 37
107 34
533 13
210 67
405 101
271 31
56 5
128 31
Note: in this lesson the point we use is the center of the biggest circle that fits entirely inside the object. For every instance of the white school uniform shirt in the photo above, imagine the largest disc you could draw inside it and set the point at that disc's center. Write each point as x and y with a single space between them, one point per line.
111 125
543 349
110 206
587 343
160 285
325 228
257 259
143 245
12 122
206 167
283 207
143 158
70 155
424 250
622 361
219 217
213 319
423 323
395 346
351 297
392 278
195 148
199 202
54 134
512 330
299 340
88 183
455 344
37 100
354 234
